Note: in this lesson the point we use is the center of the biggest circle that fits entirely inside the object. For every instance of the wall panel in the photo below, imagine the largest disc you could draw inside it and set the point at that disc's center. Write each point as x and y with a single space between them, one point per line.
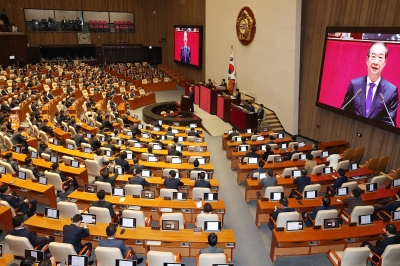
323 125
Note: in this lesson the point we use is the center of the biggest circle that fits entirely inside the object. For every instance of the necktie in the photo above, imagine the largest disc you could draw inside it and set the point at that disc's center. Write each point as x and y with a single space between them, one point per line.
368 103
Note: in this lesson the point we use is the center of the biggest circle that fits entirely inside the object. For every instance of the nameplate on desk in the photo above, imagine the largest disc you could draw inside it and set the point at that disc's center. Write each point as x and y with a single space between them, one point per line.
197 229
312 243
184 244
317 227
79 189
154 209
165 209
40 214
184 187
137 208
198 199
58 233
153 185
221 211
34 181
186 210
136 196
351 240
155 228
264 199
280 229
96 238
167 198
287 176
318 174
123 206
269 161
229 245
353 224
214 188
138 242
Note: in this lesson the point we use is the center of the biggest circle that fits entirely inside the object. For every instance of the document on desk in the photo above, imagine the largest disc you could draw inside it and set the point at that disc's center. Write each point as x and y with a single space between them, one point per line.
165 209
153 243
137 208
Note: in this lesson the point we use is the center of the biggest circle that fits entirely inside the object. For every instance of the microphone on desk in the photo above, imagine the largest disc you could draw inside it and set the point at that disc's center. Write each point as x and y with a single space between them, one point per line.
383 100
357 93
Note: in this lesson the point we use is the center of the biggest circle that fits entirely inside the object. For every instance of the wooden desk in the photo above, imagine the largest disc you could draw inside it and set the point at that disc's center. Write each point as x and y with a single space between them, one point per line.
232 146
164 153
61 135
224 105
141 101
339 145
43 194
297 243
5 219
6 259
183 167
245 135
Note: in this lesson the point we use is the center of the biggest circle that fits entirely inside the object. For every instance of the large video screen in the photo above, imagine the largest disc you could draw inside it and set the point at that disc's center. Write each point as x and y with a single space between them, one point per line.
188 45
360 75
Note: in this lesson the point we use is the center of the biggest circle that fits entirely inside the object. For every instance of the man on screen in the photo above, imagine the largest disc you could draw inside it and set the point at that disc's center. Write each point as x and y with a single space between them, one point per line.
185 50
366 96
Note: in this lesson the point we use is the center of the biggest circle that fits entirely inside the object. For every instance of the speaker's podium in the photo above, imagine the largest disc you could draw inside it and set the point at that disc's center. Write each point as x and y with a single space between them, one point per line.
185 103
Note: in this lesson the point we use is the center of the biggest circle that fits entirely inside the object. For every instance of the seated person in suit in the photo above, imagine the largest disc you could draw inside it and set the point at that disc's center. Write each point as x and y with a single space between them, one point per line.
29 165
100 158
388 208
196 164
207 208
172 182
135 166
138 179
173 151
253 153
301 182
380 246
212 242
79 138
18 139
110 145
105 177
122 161
20 204
95 142
111 242
310 163
267 152
238 94
290 154
20 230
223 83
233 133
69 180
326 202
338 182
202 182
106 122
284 208
268 181
193 132
10 160
169 132
260 168
102 203
73 234
353 201
271 139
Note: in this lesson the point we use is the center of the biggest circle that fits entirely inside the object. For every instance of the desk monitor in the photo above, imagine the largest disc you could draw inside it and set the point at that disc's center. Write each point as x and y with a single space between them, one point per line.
325 154
74 164
396 183
311 194
354 166
129 133
118 192
175 124
103 138
230 131
88 135
129 156
260 138
179 196
56 142
212 226
76 260
52 213
91 124
54 159
71 146
179 148
88 218
296 173
145 136
371 187
120 142
276 196
109 153
210 196
243 148
279 136
137 145
302 144
199 140
327 170
170 225
163 137
395 215
148 194
43 180
65 129
140 126
180 139
284 146
135 116
294 225
278 159
264 129
153 159
252 160
160 122
119 170
84 120
157 147
206 177
21 175
201 160
1 251
3 169
263 147
39 255
90 188
193 125
175 131
249 131
121 262
87 150
262 175
365 219
177 160
342 191
127 222
146 173
238 139
303 157
156 129
198 149
18 149
331 223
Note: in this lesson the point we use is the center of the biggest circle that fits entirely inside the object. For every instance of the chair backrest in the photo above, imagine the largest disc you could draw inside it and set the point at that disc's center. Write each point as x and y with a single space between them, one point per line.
131 190
358 154
355 256
71 141
60 251
6 204
102 214
67 159
348 154
379 180
283 217
174 216
92 167
194 173
269 190
390 256
360 210
198 192
85 145
138 215
291 144
326 214
31 149
343 164
288 171
45 156
29 173
296 156
201 218
317 153
191 138
144 156
67 209
316 187
8 143
254 137
208 259
54 179
318 169
9 169
43 136
157 258
372 164
193 158
166 171
273 146
72 130
167 192
168 159
18 244
106 256
383 162
272 156
351 185
103 186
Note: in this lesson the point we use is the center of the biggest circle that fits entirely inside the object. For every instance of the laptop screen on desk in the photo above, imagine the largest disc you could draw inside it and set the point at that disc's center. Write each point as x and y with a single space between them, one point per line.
70 146
22 175
76 260
53 159
342 191
146 173
238 139
88 135
148 194
278 159
395 215
2 169
157 147
87 150
365 219
263 147
177 160
137 145
129 133
91 124
90 188
201 160
52 213
56 142
396 183
294 225
120 262
371 187
119 170
253 160
296 173
18 149
193 125
74 164
153 159
212 226
302 144
42 180
140 126
156 129
312 194
118 192
243 148
262 175
109 153
179 148
327 170
303 157
171 225
325 154
331 223
145 136
129 156
175 131
354 166
230 131
249 131
88 218
120 142
39 255
180 139
284 146
127 222
276 196
279 136
179 196
210 196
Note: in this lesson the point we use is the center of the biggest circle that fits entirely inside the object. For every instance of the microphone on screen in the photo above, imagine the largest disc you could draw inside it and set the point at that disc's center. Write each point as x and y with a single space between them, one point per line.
357 93
383 100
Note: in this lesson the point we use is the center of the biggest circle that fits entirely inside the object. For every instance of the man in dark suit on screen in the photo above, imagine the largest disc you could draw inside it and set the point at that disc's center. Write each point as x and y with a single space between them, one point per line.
185 50
372 91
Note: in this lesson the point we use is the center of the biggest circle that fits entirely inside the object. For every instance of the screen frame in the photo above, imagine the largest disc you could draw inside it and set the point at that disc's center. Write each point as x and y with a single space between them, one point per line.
201 40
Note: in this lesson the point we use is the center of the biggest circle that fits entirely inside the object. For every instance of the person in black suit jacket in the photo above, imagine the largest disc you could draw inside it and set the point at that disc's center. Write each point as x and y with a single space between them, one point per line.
173 151
267 152
260 113
43 127
191 98
105 177
94 142
202 182
138 179
233 133
172 182
284 208
122 162
105 204
390 239
73 234
20 203
386 210
301 181
10 160
371 106
106 122
20 230
326 202
290 154
223 83
79 138
252 154
238 94
193 132
29 165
